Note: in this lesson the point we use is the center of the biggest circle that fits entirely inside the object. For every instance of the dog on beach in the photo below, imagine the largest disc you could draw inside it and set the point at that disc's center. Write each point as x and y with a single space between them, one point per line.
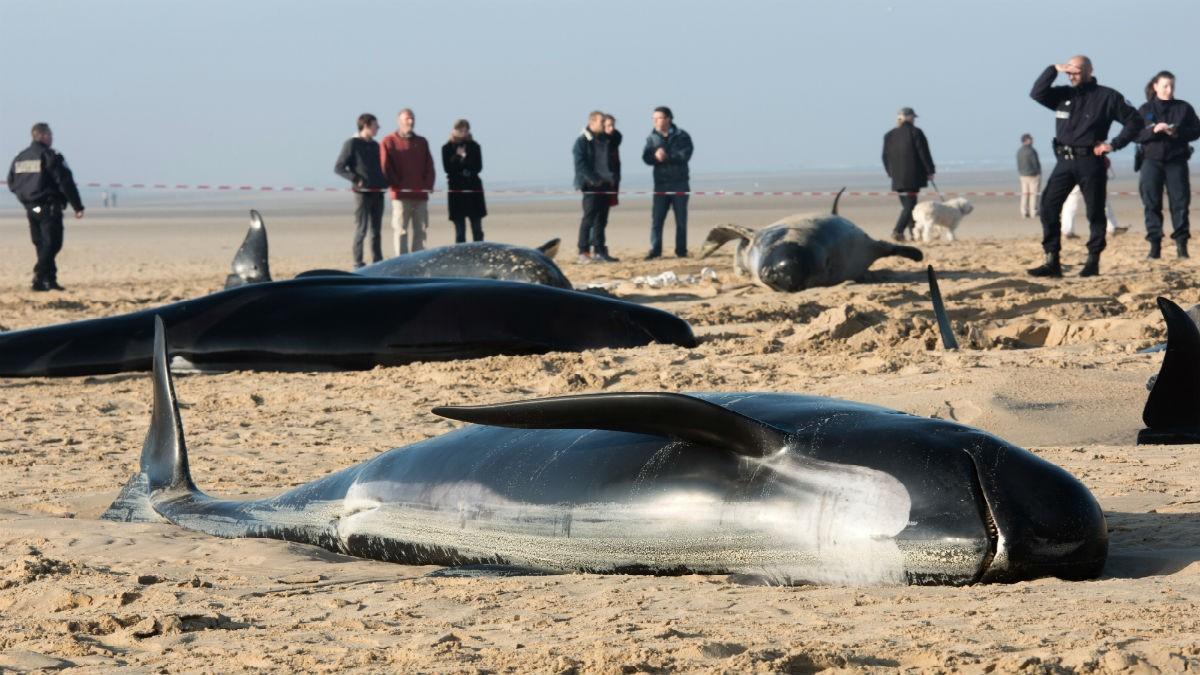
940 218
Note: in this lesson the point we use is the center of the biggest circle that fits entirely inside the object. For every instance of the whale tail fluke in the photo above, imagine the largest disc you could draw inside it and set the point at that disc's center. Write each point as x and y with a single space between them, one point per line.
1172 412
939 312
550 248
836 199
722 234
250 263
677 416
164 463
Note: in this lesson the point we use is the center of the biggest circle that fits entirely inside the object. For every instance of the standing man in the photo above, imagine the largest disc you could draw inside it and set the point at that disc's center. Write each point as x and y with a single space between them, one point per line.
1029 168
40 179
359 164
408 167
668 150
595 179
907 161
1084 111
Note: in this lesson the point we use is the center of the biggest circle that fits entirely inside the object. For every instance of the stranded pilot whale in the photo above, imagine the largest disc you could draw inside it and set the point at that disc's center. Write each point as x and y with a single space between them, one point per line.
345 323
792 488
804 251
474 260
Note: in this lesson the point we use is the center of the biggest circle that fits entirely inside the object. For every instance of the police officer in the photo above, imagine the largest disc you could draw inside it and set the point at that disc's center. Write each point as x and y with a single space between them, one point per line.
39 177
1084 112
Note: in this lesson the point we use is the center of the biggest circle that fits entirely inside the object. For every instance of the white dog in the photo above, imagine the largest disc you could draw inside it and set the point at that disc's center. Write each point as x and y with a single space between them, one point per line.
940 218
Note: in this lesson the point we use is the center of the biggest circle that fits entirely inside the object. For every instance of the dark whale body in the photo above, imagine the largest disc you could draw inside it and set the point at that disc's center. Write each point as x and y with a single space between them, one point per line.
474 260
793 488
344 323
804 251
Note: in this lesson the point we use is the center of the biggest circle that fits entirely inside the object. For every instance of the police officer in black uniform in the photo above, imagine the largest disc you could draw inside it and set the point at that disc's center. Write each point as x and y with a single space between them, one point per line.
1084 111
39 177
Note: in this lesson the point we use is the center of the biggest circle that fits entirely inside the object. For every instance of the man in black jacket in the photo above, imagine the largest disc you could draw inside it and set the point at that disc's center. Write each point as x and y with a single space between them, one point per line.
595 179
907 161
359 163
1084 111
41 180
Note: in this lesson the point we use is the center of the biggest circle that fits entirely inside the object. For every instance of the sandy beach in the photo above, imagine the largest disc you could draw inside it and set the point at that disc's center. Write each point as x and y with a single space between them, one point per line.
1051 365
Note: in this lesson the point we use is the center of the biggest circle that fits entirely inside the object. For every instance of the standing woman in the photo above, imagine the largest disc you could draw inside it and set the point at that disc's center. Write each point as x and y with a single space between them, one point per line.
1171 124
463 161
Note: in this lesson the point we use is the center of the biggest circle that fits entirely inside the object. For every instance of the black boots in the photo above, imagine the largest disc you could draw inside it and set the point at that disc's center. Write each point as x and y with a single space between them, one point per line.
1091 268
1155 249
1181 248
1051 268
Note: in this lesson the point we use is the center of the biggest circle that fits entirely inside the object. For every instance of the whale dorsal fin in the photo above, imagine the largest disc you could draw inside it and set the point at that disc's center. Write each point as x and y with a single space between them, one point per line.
250 263
939 312
164 453
836 198
550 248
1174 402
677 416
324 273
721 234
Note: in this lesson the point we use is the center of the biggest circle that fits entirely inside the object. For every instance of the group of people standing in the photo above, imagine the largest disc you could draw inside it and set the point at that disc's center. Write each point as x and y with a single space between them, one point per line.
597 158
403 166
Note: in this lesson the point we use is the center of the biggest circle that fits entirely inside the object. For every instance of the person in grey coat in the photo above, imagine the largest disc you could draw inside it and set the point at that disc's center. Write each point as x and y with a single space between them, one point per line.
1029 169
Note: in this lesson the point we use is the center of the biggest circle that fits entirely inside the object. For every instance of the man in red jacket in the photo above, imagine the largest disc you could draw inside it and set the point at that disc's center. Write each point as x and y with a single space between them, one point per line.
408 167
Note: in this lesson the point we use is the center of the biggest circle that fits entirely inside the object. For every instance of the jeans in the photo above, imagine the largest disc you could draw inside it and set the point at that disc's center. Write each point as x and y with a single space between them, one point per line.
460 229
908 201
1175 175
368 218
46 231
410 218
1088 172
658 217
591 226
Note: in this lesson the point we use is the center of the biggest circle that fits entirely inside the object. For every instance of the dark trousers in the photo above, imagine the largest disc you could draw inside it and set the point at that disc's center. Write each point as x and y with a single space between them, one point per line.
460 229
908 201
1174 175
46 231
658 217
591 227
1088 172
368 217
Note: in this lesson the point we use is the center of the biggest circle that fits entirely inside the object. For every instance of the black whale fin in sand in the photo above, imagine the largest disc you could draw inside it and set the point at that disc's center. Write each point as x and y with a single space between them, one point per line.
677 416
164 463
939 311
250 263
1172 412
550 248
836 198
722 234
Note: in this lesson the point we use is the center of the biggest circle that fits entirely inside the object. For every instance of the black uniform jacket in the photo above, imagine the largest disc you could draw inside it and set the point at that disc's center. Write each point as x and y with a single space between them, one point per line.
39 176
1085 113
1164 147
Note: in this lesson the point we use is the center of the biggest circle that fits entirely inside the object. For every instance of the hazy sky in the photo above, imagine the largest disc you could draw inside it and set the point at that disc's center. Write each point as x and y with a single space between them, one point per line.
264 92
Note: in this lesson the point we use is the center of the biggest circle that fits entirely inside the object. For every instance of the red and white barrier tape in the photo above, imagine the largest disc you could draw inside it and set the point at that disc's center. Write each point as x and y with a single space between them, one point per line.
202 187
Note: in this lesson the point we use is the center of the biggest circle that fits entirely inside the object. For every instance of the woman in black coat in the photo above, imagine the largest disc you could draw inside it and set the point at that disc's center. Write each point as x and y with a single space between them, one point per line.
463 161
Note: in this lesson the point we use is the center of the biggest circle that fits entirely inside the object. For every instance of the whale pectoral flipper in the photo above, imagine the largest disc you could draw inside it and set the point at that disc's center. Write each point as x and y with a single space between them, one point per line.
678 416
939 312
550 248
1172 412
722 234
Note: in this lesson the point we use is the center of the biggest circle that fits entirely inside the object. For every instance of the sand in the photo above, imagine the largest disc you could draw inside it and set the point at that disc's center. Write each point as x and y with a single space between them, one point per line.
1050 365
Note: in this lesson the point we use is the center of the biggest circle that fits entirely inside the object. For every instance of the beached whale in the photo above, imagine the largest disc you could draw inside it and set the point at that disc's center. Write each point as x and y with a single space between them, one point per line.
474 260
344 323
787 487
1172 412
804 251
